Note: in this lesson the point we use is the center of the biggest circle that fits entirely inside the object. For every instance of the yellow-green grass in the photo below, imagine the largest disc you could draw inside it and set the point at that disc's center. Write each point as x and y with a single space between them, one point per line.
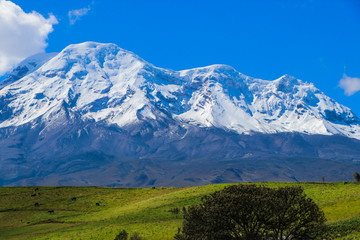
142 210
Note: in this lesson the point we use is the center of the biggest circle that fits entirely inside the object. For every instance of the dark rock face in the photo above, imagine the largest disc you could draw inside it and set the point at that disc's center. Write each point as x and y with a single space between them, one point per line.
333 116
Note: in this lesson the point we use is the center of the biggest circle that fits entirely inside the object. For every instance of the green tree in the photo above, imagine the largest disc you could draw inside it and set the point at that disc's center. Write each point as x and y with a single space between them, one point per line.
123 235
357 176
295 216
244 212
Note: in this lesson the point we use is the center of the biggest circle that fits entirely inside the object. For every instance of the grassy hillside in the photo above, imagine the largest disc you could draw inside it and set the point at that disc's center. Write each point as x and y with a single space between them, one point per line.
145 211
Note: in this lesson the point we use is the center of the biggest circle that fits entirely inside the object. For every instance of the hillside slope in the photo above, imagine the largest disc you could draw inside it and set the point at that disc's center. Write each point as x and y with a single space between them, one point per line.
145 211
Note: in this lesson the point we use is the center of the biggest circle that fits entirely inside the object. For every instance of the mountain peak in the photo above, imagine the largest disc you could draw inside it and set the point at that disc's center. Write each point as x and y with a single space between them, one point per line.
104 107
102 82
286 83
97 51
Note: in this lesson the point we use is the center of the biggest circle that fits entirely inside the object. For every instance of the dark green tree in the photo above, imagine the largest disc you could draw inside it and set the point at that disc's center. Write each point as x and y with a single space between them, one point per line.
123 235
357 176
295 216
244 212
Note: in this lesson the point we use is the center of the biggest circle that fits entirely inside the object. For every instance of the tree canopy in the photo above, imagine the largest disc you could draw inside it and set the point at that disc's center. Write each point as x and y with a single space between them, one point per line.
357 177
253 213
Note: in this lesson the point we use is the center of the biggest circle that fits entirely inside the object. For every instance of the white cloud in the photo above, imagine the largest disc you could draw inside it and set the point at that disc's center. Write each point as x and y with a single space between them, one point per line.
351 85
76 14
21 34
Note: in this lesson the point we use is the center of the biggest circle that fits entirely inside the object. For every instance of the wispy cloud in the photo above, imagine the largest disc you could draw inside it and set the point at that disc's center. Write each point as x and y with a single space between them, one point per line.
75 15
21 34
351 85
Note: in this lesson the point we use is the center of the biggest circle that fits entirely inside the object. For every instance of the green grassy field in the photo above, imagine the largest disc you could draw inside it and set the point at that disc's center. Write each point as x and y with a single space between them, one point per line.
145 210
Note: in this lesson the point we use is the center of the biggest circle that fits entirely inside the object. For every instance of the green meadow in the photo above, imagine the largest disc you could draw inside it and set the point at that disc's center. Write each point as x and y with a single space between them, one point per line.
101 213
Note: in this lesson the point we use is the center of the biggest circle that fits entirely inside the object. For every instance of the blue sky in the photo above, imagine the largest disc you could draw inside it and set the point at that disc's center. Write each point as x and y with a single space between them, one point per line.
316 41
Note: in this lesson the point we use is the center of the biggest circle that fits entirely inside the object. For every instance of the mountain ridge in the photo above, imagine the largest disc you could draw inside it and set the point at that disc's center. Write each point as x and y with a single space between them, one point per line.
95 114
94 75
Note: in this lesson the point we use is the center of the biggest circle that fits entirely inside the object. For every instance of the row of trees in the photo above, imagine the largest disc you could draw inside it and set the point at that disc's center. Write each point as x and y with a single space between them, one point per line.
250 212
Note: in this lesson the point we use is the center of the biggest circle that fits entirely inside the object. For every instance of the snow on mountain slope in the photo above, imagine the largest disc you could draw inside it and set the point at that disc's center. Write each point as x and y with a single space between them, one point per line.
105 83
289 104
26 67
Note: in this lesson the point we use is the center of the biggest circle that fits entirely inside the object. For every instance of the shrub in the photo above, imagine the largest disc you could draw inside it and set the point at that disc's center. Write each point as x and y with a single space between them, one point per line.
253 212
123 235
357 177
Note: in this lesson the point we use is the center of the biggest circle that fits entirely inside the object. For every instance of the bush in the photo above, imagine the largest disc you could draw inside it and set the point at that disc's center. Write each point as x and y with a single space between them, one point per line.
123 235
253 212
357 177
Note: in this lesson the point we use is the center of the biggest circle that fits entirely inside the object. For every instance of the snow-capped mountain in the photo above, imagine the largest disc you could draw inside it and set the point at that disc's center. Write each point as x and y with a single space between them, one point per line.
99 99
103 82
